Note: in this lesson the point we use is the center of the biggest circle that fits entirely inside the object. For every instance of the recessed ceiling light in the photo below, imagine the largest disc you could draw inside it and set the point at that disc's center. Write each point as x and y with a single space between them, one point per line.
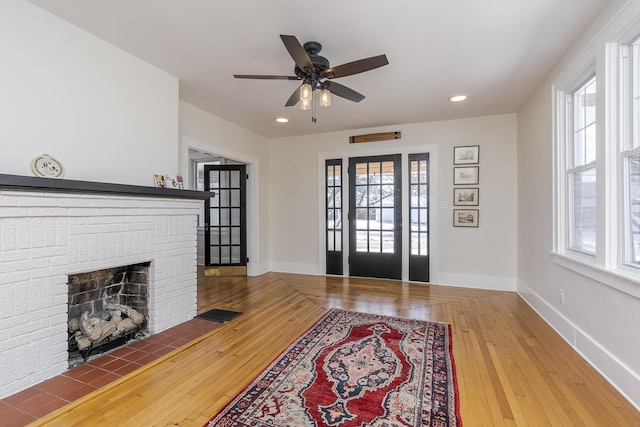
282 119
458 98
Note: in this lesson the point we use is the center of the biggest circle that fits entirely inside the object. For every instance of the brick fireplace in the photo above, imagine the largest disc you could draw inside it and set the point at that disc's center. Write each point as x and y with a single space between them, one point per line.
45 236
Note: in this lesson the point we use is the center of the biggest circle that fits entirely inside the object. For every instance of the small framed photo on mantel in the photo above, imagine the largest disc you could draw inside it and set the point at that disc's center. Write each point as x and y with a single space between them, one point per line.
465 217
466 155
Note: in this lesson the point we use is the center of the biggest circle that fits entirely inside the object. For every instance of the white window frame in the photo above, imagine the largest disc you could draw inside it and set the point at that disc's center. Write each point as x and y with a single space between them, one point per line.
571 168
606 56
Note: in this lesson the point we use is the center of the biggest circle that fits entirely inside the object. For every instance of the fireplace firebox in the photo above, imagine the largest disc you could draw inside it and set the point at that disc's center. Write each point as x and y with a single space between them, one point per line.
107 308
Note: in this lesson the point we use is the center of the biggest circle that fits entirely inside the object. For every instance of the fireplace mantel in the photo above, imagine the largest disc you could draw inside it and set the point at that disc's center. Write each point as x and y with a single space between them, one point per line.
37 184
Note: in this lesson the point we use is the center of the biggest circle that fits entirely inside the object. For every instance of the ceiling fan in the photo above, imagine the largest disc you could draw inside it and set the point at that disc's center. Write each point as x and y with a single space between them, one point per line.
316 73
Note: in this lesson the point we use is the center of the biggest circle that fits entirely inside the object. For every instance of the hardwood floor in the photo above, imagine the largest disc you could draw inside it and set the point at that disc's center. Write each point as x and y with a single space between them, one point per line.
513 369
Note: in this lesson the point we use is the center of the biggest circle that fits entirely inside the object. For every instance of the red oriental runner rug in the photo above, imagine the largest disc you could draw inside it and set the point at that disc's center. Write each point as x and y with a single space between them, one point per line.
355 369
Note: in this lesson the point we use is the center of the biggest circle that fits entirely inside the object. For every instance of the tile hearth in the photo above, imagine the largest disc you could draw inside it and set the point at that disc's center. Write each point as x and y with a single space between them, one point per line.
35 402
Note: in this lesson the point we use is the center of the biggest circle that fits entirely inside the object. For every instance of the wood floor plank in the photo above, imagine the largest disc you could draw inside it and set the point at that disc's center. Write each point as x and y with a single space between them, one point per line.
513 369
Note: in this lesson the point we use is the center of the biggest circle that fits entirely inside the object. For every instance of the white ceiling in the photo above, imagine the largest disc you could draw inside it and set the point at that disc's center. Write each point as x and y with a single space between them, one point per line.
495 51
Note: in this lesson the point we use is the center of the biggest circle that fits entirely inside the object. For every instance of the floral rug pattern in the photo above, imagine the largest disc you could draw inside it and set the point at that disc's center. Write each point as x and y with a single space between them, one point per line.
355 369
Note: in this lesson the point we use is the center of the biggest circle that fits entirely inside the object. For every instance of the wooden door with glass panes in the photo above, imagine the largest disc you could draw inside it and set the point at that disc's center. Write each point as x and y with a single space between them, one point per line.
225 216
419 217
375 217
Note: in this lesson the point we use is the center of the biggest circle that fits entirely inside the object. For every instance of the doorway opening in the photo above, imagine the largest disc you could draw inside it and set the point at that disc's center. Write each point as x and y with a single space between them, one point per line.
222 224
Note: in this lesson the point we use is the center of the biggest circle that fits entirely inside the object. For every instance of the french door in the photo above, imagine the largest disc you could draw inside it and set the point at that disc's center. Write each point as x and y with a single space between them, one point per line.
375 217
225 215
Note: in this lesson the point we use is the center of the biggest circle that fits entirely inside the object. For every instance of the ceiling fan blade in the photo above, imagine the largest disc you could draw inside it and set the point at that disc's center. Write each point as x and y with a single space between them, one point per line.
356 67
294 98
343 91
298 53
252 76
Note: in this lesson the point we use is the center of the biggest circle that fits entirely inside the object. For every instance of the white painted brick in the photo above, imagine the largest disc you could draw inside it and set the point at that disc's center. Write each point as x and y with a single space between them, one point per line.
49 231
23 232
13 212
46 252
7 297
9 234
44 211
10 256
7 363
39 201
34 289
8 198
14 277
62 231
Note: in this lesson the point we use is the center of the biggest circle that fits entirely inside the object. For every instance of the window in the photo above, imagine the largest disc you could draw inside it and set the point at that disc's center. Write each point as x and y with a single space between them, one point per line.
597 175
630 154
581 168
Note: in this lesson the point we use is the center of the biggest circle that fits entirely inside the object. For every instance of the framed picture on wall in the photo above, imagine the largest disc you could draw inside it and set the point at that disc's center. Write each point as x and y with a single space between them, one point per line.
465 217
469 154
466 196
465 175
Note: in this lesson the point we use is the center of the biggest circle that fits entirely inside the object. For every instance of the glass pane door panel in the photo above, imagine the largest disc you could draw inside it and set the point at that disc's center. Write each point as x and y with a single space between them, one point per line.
235 236
361 196
214 257
226 215
224 236
236 216
333 187
224 198
235 198
215 236
225 257
374 241
235 179
419 217
362 238
375 223
387 242
235 254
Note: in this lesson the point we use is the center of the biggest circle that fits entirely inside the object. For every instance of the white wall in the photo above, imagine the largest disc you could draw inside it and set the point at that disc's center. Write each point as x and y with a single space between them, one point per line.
482 257
205 132
106 115
602 323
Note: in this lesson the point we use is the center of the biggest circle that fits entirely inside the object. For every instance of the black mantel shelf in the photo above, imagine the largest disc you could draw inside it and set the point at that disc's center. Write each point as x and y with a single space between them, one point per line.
32 183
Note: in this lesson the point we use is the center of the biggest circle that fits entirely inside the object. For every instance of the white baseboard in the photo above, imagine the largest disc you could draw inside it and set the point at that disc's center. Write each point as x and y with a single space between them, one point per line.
617 374
296 268
495 283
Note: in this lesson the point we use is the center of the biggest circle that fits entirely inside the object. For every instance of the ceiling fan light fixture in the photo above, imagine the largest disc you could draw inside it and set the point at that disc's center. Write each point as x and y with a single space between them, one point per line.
306 92
305 104
325 98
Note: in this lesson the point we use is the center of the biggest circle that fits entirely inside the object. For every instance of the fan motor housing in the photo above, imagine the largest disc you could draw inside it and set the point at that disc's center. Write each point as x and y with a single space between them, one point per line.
320 63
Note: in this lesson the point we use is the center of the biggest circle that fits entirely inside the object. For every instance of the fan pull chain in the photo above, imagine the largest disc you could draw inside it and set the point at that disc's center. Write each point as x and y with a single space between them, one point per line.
313 106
